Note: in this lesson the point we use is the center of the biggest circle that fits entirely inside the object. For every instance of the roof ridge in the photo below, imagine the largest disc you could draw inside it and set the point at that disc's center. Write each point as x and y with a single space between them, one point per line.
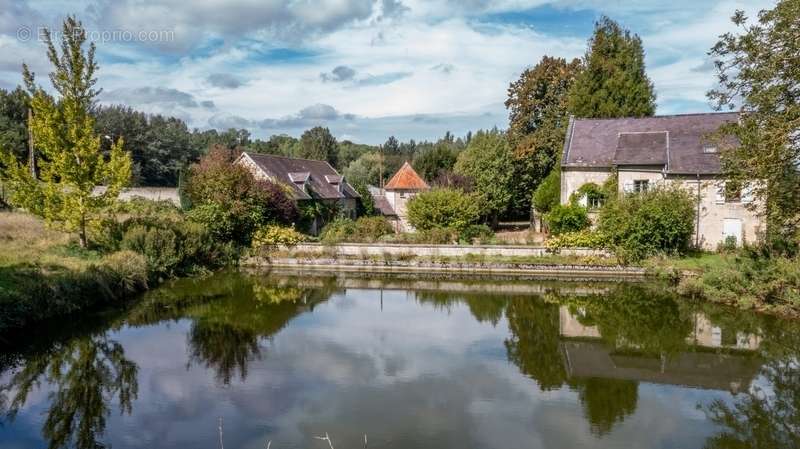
255 153
686 114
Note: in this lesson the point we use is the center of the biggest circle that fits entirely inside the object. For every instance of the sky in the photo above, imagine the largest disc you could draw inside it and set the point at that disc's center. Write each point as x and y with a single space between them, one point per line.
366 69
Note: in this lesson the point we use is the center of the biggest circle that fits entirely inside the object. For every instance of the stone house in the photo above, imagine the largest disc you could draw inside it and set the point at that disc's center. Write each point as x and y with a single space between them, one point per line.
650 151
392 201
307 180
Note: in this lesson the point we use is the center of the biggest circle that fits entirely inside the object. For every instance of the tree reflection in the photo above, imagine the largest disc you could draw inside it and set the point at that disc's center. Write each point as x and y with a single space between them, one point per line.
227 349
607 402
762 417
85 374
484 307
534 345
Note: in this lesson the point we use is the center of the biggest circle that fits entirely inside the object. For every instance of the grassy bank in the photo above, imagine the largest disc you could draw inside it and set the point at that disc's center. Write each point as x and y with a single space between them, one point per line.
44 274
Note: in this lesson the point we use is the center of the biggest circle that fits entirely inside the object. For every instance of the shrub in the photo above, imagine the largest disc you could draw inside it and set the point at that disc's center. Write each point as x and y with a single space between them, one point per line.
640 225
370 229
479 232
579 239
272 236
365 229
444 208
128 268
159 247
569 218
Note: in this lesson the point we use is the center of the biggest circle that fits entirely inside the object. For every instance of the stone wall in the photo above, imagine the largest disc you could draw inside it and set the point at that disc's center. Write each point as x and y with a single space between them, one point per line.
402 250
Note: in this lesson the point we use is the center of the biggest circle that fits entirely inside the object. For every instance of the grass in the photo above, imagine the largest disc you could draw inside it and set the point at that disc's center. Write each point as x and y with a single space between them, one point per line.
44 273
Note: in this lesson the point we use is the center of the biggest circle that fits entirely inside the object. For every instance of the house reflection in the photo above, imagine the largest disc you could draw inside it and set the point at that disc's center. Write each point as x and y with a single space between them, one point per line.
712 359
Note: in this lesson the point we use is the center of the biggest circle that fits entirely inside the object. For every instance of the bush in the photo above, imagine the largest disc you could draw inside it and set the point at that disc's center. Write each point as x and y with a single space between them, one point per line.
363 230
174 247
569 218
272 236
129 270
444 208
479 232
579 239
640 225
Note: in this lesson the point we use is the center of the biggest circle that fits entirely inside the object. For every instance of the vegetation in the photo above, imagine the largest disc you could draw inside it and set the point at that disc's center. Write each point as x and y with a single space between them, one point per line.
272 236
442 208
363 230
227 199
548 194
538 118
567 218
318 143
613 82
658 221
759 71
72 165
488 161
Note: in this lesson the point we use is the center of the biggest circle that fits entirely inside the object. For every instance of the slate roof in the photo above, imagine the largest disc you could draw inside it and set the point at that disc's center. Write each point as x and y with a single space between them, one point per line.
322 181
675 142
406 179
381 202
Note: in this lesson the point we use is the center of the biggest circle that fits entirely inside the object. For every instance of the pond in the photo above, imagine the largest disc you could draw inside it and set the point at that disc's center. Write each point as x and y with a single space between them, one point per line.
255 360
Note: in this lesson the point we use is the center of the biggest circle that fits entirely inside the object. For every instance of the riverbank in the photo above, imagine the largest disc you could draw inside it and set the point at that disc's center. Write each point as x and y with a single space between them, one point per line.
44 274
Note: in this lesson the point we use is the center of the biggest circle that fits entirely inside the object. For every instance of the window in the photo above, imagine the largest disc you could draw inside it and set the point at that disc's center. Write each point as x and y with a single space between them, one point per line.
640 185
402 194
595 202
733 192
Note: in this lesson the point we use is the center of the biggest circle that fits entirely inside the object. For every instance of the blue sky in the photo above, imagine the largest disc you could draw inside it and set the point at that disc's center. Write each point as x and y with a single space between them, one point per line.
367 69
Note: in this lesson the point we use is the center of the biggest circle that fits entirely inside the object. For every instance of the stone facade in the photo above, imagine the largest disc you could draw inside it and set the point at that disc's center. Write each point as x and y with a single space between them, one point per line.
659 150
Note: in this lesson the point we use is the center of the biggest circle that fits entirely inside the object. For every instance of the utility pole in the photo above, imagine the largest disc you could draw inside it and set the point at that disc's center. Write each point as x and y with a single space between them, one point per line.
380 170
31 151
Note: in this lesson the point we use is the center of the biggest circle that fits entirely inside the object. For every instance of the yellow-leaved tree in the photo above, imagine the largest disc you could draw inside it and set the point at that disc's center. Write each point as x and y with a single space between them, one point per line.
69 163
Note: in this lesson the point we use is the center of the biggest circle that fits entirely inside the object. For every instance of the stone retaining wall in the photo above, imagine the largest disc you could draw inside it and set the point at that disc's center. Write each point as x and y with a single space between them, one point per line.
402 250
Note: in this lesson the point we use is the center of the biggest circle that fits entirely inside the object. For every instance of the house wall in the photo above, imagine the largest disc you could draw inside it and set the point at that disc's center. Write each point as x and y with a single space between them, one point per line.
572 180
711 210
399 199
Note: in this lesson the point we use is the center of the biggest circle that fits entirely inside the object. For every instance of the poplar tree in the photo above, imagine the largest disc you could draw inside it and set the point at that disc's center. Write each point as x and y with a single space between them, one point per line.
70 162
614 82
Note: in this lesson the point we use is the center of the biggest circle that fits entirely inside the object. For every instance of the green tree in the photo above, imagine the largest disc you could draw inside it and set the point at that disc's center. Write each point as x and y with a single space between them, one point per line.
614 82
72 163
444 209
759 70
548 194
538 118
318 143
488 161
13 117
430 163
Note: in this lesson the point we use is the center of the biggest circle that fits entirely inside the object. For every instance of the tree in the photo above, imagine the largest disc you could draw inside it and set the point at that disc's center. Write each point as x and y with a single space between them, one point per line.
430 163
538 118
392 146
614 82
72 163
365 170
13 116
444 209
318 143
759 70
488 160
548 194
231 202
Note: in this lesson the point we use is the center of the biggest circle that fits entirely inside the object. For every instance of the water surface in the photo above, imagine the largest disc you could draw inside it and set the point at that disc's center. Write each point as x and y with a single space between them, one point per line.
432 363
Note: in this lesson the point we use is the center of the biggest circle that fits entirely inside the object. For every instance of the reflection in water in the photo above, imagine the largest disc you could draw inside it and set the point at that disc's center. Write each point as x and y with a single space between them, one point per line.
353 364
83 375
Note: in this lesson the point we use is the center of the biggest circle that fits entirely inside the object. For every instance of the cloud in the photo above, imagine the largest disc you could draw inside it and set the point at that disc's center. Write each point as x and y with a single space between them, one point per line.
444 68
339 74
343 73
318 114
225 81
151 95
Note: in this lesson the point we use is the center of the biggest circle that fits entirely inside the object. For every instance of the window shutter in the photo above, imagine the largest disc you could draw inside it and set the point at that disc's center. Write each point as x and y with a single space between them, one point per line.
747 193
627 187
720 192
